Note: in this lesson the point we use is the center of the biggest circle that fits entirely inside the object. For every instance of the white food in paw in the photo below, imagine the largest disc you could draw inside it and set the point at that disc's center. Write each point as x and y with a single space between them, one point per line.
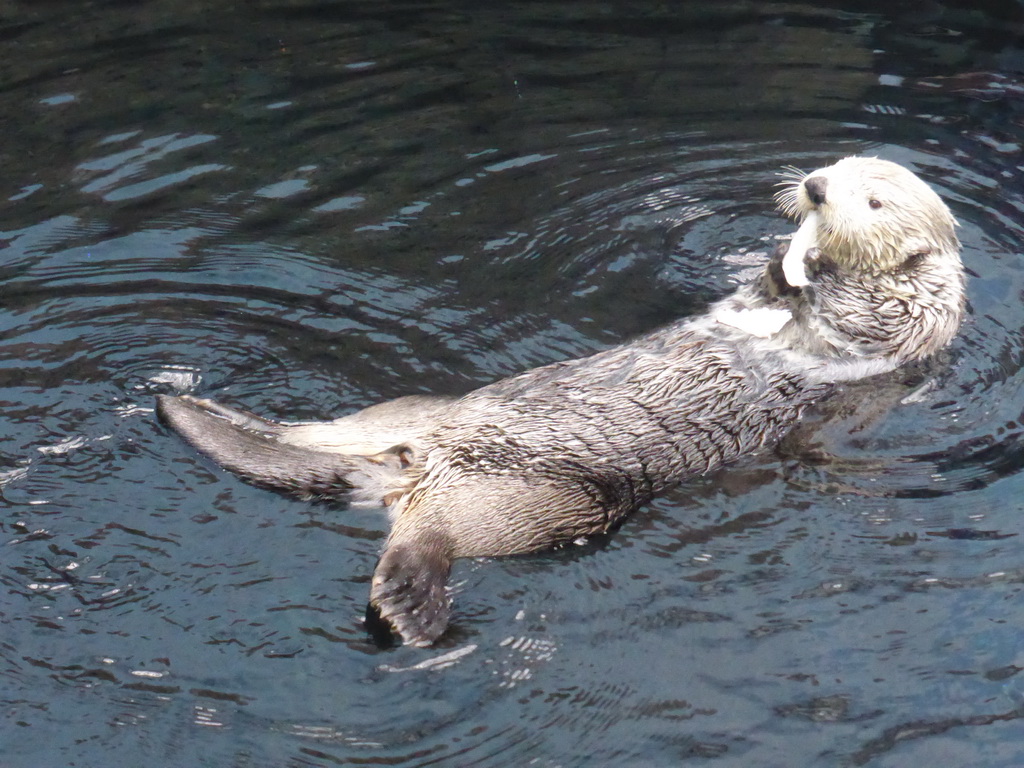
802 242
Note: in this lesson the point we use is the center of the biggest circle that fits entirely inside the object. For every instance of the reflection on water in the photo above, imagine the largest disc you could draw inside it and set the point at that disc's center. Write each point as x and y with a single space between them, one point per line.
306 208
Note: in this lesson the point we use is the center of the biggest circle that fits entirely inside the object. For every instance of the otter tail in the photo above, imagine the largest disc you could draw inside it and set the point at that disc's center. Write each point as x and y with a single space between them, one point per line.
251 447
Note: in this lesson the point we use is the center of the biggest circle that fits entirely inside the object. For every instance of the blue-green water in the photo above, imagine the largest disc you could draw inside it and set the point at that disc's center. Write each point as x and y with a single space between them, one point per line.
304 208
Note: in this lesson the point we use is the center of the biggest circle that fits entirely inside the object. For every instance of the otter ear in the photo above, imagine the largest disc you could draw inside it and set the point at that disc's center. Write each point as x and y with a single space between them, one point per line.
409 591
916 252
918 245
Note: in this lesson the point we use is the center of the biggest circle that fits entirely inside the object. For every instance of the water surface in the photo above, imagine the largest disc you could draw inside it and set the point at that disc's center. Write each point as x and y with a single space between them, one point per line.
302 208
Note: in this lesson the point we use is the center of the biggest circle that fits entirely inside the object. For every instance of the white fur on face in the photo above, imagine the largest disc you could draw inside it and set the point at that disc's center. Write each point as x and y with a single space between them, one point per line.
876 213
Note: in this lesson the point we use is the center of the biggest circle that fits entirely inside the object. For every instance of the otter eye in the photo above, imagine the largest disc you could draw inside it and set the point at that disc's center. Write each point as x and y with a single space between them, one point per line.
876 204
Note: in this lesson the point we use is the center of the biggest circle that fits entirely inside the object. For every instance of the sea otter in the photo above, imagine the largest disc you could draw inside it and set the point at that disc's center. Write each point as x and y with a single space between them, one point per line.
871 280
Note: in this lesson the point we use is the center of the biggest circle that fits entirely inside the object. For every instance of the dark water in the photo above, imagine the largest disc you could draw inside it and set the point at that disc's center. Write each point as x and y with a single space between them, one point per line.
306 207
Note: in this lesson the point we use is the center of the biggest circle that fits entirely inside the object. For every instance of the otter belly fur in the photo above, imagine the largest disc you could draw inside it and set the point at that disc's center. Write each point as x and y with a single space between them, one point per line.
569 449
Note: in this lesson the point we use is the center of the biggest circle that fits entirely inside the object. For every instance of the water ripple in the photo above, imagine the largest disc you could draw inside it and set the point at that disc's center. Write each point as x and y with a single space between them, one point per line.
306 208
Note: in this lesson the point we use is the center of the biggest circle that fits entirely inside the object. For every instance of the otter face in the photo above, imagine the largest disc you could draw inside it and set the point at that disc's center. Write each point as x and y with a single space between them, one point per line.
871 215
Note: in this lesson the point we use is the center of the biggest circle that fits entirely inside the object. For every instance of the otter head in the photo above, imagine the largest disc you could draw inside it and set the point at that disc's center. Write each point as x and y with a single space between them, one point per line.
871 215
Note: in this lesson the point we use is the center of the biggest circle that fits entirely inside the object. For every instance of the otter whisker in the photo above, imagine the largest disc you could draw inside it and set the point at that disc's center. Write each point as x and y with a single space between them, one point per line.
791 172
788 200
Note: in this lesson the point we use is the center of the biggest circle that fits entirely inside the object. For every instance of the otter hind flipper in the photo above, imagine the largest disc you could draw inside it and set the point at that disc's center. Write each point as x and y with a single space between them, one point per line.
409 591
236 416
248 446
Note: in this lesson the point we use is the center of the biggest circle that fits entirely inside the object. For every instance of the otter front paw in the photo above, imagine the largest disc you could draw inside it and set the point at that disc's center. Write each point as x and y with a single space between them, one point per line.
819 264
408 591
774 283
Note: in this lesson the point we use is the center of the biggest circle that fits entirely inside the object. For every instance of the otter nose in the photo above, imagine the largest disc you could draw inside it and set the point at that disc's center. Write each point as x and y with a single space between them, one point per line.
815 186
